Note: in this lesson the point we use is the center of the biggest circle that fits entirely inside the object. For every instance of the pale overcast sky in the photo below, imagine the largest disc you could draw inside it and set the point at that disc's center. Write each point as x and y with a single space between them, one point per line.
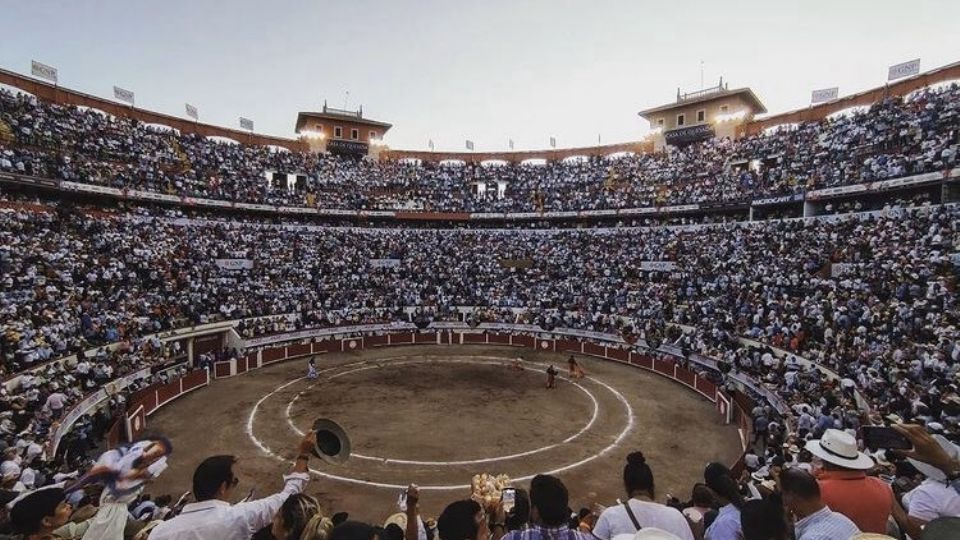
485 71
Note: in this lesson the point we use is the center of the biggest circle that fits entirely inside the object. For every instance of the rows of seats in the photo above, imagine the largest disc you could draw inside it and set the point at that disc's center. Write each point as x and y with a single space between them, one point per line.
895 137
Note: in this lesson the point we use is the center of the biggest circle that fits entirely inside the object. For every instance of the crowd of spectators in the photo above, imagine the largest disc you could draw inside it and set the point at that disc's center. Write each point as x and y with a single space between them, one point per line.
871 298
870 301
895 137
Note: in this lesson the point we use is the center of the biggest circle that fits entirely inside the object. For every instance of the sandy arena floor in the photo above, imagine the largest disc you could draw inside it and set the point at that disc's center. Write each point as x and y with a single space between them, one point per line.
436 415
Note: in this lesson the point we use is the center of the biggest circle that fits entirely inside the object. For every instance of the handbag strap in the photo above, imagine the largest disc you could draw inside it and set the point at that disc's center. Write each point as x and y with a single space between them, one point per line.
633 518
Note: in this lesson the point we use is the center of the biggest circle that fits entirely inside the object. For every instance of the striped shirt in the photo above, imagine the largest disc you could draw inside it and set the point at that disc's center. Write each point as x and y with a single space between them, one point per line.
825 524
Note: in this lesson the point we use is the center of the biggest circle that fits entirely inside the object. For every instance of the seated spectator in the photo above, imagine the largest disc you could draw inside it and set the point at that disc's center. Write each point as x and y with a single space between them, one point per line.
815 519
933 498
44 514
299 518
763 520
550 512
461 520
640 511
726 524
845 486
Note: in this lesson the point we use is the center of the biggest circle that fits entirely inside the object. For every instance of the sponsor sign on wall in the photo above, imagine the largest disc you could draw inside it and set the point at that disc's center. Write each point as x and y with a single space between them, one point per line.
123 94
824 94
43 71
235 264
904 69
658 266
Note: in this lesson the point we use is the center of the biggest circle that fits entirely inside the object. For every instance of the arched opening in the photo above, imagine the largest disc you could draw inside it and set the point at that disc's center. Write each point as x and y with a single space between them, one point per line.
618 155
848 112
163 127
416 162
932 88
224 140
277 148
84 108
493 163
15 90
534 162
452 163
571 160
772 130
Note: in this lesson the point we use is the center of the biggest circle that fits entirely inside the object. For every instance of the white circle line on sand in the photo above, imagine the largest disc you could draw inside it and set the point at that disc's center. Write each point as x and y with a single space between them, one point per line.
593 418
266 450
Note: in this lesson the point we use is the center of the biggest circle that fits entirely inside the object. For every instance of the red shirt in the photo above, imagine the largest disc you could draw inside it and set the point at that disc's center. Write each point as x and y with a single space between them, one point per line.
866 500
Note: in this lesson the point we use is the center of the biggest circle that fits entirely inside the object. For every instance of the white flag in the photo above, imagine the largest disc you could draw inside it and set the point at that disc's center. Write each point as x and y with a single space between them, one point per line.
553 142
123 95
469 145
192 111
906 69
825 94
43 71
246 123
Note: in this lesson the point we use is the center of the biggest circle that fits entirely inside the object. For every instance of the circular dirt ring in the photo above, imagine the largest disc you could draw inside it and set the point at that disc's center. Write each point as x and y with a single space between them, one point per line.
497 383
510 405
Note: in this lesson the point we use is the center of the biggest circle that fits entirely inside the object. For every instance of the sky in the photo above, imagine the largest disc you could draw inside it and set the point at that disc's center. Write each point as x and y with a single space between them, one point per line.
487 71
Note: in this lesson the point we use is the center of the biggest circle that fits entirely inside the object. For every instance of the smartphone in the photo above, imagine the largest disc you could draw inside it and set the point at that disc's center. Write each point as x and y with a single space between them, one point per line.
885 437
402 501
508 498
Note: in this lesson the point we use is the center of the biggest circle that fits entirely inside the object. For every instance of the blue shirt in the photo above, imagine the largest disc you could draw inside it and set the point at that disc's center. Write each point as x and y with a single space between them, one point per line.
825 524
537 532
726 526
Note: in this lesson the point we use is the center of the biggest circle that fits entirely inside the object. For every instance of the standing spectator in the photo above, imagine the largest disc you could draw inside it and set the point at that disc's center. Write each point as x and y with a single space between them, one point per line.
845 486
640 511
213 517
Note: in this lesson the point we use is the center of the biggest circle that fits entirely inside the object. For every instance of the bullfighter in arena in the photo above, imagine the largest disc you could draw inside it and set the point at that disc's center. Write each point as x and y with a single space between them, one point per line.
551 377
576 372
312 368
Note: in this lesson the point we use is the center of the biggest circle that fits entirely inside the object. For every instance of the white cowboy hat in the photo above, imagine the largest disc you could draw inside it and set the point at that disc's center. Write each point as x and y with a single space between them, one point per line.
839 448
930 471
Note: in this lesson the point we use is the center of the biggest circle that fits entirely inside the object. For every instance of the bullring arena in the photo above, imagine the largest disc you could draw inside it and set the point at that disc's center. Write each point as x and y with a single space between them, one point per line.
437 415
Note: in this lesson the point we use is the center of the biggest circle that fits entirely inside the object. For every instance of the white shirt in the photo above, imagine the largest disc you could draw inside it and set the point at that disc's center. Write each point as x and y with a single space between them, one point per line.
932 499
224 521
614 520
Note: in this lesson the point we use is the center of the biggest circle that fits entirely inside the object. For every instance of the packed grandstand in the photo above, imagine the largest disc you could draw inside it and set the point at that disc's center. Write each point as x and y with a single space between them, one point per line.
824 324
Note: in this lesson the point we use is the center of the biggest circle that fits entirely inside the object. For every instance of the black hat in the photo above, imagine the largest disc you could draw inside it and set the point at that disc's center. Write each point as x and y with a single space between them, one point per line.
332 443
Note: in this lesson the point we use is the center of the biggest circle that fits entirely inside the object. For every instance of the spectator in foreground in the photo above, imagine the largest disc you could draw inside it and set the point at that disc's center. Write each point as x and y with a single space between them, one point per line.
550 512
212 516
844 483
44 514
815 520
640 511
762 519
463 520
933 498
299 518
726 525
